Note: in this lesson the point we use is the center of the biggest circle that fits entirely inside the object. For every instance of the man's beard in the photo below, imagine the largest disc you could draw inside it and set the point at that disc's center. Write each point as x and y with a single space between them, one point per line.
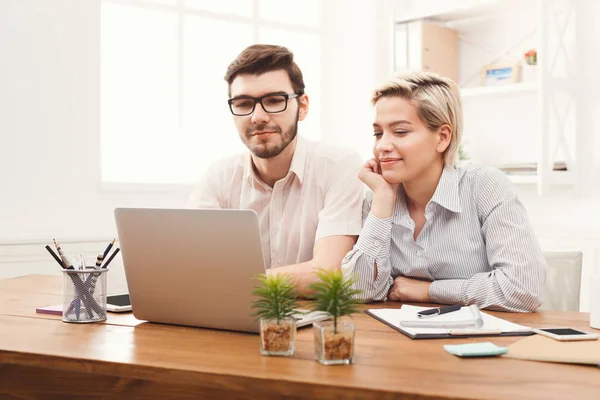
268 150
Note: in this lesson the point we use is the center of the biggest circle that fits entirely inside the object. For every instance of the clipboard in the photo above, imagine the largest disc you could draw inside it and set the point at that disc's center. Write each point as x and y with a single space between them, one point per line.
492 326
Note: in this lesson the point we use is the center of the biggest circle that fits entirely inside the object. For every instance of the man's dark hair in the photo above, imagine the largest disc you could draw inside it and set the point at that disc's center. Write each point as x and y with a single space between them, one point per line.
260 58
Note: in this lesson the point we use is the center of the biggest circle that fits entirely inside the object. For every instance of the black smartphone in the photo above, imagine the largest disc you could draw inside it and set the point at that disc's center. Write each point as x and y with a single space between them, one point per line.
118 303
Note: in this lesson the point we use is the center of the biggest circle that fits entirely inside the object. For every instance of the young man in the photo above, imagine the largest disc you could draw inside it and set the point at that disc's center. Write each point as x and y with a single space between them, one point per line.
307 195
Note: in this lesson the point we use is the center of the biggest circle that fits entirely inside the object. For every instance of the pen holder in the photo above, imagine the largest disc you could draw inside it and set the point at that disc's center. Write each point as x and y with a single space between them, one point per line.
84 295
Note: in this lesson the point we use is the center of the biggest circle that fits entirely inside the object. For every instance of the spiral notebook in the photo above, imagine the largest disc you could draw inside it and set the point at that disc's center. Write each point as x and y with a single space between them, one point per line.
457 324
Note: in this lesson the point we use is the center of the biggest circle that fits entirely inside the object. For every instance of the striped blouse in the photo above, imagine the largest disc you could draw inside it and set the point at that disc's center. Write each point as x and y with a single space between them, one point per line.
477 245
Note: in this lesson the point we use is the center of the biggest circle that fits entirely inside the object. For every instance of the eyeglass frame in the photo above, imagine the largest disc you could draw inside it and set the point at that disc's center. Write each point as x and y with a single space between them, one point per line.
287 97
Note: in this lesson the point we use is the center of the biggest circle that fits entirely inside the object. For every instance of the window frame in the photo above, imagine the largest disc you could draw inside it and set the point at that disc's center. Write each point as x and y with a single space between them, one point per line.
182 12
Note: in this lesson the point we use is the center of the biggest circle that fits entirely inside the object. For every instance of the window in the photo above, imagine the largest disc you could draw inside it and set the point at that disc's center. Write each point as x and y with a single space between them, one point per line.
164 106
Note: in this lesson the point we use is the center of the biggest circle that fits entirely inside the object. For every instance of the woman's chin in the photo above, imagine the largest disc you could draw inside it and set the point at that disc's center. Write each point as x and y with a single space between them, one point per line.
392 177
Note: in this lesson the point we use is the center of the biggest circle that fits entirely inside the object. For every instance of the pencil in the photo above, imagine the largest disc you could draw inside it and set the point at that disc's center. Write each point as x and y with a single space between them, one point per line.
111 258
55 257
110 245
62 256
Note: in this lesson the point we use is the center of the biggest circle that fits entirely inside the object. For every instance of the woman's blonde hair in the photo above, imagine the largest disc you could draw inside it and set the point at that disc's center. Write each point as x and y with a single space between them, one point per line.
436 98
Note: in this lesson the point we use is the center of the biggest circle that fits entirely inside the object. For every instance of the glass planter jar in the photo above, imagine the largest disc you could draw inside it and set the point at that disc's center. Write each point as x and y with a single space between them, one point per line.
277 339
334 347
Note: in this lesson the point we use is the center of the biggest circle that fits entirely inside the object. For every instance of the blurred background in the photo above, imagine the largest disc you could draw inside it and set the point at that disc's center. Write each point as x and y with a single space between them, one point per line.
122 103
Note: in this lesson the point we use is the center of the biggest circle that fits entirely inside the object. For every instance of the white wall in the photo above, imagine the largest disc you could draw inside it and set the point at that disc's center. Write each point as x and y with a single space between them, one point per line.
50 107
357 56
49 125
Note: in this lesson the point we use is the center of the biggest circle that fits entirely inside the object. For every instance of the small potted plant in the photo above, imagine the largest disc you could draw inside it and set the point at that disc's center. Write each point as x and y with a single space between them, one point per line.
334 340
530 67
276 303
531 57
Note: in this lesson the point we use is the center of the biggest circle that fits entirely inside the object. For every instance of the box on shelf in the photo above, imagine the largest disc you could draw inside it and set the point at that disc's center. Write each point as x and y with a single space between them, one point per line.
426 46
500 74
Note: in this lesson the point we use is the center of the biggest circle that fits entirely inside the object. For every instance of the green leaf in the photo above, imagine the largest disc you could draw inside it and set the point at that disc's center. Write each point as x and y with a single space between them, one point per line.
335 294
276 297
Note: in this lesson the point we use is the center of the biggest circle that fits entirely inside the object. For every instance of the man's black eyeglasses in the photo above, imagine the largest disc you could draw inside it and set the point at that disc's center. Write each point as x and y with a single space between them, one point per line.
272 103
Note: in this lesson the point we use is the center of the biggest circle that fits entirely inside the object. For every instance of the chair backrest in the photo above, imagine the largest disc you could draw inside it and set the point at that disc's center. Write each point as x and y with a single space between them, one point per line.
563 281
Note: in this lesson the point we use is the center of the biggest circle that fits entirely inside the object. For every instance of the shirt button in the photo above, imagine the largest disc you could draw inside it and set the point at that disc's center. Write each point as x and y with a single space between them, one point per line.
376 242
419 253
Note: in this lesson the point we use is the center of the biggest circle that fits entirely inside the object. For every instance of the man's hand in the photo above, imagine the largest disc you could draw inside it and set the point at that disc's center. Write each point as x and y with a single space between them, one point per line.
410 290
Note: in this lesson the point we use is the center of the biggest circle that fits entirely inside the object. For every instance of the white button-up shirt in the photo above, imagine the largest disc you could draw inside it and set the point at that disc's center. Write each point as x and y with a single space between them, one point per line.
320 196
477 245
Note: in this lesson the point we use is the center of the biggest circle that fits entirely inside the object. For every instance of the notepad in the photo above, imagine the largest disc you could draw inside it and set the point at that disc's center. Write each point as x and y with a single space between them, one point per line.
466 317
492 326
484 349
54 310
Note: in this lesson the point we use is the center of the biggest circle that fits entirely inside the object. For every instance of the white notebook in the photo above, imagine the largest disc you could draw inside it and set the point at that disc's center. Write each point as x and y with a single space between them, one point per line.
466 317
454 324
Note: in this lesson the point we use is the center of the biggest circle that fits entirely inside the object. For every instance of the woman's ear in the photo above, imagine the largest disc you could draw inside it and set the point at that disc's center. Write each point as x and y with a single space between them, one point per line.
303 107
444 138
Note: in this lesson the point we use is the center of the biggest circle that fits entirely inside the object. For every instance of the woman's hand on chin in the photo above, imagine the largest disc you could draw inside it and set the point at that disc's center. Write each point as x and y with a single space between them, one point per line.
384 193
370 175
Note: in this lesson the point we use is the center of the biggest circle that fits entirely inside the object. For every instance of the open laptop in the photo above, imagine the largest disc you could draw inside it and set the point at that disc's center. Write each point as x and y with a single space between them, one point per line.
193 267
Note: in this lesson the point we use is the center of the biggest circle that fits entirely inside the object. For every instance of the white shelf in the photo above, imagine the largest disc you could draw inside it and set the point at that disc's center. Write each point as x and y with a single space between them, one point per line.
556 178
474 9
509 89
522 179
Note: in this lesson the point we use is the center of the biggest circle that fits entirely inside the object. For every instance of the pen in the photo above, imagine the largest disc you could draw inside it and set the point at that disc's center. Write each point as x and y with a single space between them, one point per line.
110 245
111 258
94 277
58 260
77 307
432 312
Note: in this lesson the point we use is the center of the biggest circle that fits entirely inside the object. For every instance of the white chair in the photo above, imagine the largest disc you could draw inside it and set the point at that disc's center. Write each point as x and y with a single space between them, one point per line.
563 281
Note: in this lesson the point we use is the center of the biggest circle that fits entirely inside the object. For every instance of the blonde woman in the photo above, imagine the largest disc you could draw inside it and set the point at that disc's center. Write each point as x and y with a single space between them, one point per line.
435 232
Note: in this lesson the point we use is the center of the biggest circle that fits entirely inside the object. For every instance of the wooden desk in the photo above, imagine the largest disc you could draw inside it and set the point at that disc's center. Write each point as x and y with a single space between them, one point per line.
42 357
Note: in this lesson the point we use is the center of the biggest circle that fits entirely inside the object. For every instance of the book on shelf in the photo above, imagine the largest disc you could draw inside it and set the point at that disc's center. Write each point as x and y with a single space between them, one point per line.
529 168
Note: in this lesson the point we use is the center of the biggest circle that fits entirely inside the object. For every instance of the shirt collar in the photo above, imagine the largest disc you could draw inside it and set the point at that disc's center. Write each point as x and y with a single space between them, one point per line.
299 158
297 165
446 194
